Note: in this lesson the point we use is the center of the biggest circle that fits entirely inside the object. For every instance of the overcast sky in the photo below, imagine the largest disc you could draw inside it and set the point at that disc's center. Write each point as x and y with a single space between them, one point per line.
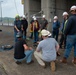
9 8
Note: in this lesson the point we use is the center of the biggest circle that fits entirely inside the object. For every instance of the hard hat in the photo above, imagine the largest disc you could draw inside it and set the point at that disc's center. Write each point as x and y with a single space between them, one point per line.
65 13
35 18
73 8
24 16
43 16
17 16
19 34
55 17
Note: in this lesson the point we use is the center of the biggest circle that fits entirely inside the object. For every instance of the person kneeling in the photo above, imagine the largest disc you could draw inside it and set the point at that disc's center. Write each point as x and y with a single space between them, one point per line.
46 50
22 51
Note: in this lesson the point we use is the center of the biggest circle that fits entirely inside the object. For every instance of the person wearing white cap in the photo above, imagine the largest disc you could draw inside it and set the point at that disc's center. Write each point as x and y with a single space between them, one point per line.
55 29
63 38
35 28
24 24
46 50
44 23
70 32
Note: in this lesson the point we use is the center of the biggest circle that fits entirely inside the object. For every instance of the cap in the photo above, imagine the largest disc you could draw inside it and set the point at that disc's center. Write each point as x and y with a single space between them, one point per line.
49 34
73 8
19 34
44 32
65 13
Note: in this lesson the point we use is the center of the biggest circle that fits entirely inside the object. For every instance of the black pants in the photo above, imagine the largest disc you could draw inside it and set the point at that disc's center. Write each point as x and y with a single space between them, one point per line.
62 39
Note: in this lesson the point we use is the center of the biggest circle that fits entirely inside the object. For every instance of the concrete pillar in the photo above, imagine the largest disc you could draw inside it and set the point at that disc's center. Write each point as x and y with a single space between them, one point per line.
48 7
32 7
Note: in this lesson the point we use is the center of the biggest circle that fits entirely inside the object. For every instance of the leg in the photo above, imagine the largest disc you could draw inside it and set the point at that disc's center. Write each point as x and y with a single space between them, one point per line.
57 33
61 40
38 56
28 54
69 44
15 33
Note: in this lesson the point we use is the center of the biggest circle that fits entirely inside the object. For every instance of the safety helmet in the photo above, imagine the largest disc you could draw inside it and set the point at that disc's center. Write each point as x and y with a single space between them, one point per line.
73 8
17 16
55 17
35 18
65 13
43 16
24 16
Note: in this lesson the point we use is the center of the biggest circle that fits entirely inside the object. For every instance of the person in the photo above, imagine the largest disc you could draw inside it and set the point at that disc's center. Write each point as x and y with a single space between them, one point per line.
31 25
63 38
22 51
70 32
35 28
55 29
46 50
17 26
44 23
24 24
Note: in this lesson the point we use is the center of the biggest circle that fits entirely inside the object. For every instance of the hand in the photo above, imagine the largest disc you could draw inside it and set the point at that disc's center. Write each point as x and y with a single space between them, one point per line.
30 48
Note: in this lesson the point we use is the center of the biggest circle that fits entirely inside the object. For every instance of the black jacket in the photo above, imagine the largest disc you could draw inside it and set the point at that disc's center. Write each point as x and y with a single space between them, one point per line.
71 26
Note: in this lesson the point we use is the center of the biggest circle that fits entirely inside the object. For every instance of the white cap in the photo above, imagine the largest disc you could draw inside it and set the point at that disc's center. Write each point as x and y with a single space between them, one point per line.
65 13
35 18
73 8
44 32
55 17
43 16
24 16
49 34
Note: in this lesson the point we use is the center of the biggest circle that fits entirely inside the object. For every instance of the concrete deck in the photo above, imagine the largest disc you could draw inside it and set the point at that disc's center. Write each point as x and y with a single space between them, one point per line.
11 68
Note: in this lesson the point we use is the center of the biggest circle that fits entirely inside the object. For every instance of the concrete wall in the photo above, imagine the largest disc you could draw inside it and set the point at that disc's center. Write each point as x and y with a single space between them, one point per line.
32 7
49 7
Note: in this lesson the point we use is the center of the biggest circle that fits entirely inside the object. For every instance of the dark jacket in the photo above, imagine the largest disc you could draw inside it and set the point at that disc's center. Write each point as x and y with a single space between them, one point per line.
71 26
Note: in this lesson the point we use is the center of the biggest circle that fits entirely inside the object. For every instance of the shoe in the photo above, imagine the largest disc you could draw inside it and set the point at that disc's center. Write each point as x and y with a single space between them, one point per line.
64 60
74 61
30 62
58 54
53 68
18 62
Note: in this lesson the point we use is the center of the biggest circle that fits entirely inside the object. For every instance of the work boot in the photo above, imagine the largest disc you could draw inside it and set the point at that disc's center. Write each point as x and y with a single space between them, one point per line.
53 67
74 61
64 60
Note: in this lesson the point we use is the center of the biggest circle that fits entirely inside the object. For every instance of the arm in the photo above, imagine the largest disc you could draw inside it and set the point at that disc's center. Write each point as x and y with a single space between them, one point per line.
68 26
16 28
26 47
57 47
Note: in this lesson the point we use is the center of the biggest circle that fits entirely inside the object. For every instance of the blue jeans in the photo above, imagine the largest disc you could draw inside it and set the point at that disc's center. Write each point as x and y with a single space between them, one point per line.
35 36
55 34
70 42
28 57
